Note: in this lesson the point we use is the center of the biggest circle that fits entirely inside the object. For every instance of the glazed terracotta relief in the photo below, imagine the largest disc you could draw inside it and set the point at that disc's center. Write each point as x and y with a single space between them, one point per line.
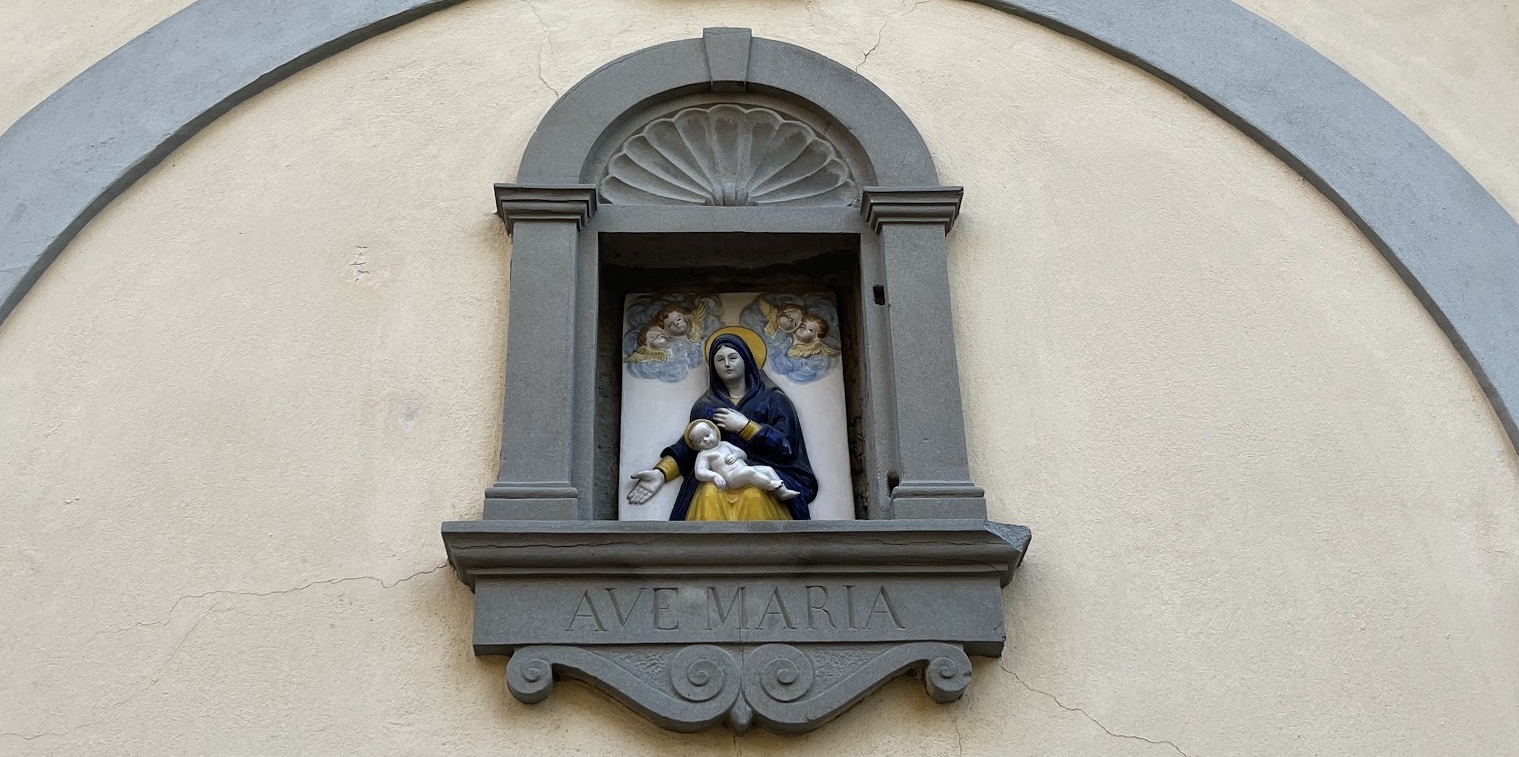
665 340
733 408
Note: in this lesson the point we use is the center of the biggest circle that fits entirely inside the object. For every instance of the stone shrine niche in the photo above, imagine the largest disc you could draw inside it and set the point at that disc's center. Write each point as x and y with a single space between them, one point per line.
733 483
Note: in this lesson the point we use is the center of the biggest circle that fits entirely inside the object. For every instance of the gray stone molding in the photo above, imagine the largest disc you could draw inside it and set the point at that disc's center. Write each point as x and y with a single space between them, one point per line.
780 624
80 148
575 202
536 472
1444 234
782 688
931 205
563 148
727 58
487 549
933 474
727 155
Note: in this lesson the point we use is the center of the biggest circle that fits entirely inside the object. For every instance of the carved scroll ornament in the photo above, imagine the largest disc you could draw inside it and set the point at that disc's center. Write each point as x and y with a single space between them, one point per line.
782 688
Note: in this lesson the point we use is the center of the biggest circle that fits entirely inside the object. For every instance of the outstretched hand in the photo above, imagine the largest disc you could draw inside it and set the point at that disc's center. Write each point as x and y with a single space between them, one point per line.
649 483
731 421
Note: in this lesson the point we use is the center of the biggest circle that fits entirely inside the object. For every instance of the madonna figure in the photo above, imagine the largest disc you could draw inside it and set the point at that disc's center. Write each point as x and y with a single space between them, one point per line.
752 415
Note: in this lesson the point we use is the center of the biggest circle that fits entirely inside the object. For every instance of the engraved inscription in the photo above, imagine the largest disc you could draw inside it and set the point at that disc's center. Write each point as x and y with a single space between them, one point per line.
810 607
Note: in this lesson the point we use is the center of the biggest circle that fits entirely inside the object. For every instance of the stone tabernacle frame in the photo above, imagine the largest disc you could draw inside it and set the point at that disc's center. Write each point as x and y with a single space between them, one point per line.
783 624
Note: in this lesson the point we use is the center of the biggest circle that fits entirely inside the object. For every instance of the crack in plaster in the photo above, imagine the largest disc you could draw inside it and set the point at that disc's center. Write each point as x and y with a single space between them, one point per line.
881 32
1087 715
227 593
154 677
360 259
158 672
548 41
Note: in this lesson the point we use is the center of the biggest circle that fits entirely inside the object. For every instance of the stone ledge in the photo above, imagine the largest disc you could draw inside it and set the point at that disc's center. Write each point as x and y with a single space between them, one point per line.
780 624
497 548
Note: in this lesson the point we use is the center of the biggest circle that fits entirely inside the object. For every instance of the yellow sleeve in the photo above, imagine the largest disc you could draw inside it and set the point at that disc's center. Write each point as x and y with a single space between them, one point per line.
667 466
749 431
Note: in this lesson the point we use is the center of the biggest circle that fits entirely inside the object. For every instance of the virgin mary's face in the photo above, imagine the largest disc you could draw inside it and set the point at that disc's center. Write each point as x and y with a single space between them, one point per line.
729 364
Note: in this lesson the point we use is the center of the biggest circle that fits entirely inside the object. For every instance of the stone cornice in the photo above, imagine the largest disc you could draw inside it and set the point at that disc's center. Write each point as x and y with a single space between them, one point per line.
926 205
566 202
484 548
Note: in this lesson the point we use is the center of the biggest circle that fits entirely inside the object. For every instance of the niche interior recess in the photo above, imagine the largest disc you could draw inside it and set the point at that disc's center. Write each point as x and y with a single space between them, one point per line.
731 163
713 263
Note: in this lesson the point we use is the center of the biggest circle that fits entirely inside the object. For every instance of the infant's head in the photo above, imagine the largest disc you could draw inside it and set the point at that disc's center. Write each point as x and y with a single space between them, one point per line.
811 329
674 319
790 317
655 337
702 434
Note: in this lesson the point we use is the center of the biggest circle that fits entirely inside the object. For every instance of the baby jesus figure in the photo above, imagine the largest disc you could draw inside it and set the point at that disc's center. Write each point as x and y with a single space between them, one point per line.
723 464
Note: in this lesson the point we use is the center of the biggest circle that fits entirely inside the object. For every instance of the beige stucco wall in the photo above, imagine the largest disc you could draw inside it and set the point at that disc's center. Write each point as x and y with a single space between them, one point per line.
1273 513
1449 65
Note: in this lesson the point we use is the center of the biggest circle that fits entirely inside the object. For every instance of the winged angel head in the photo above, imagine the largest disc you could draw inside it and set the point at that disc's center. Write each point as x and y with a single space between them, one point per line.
666 334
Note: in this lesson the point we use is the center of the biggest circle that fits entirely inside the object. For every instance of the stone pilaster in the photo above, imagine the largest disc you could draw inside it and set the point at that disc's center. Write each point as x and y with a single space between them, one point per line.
932 475
537 417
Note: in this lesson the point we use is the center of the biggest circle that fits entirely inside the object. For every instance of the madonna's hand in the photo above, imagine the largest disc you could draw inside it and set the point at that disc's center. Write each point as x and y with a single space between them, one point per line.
732 421
649 483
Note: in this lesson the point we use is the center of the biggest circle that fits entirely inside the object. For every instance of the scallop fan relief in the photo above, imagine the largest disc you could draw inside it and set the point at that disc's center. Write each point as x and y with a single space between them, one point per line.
727 155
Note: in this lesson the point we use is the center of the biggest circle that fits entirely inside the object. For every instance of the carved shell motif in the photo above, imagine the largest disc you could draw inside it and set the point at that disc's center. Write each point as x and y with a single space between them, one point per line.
727 155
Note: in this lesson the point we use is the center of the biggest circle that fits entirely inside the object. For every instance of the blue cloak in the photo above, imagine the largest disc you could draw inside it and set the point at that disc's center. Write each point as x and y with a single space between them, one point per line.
778 442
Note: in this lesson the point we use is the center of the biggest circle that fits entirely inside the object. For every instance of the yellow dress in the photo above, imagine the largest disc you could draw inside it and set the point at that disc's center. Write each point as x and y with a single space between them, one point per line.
748 503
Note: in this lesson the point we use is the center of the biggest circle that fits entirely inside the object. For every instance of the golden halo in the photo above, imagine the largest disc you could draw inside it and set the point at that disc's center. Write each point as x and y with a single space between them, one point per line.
755 342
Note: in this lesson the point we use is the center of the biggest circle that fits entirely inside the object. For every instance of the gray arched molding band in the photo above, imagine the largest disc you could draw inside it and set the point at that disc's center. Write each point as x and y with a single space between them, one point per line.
1446 236
67 158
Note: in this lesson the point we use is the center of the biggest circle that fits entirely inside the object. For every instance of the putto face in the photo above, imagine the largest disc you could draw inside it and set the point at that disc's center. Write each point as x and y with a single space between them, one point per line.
807 332
657 338
729 365
676 324
789 319
704 436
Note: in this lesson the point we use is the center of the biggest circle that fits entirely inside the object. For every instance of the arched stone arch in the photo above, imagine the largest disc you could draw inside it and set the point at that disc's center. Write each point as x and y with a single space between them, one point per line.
725 59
